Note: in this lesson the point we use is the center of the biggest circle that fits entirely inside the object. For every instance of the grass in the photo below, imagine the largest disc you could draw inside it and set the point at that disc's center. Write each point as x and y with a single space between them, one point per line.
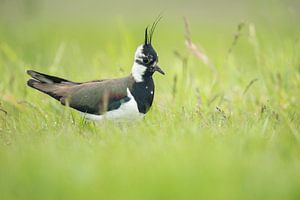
232 133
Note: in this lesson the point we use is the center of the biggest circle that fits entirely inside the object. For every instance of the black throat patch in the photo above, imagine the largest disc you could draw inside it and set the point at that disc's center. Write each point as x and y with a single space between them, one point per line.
143 93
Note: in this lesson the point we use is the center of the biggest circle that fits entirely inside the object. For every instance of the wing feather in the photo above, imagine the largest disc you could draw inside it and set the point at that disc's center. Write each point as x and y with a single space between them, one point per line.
94 97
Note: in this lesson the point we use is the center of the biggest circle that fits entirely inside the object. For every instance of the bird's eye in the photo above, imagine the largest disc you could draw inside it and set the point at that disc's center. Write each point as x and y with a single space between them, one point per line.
146 60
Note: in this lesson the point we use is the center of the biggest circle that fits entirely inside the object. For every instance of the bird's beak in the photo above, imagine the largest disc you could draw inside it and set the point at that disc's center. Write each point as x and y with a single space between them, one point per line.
157 68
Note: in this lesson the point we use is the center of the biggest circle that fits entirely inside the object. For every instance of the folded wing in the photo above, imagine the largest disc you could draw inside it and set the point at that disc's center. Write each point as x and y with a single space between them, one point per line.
95 97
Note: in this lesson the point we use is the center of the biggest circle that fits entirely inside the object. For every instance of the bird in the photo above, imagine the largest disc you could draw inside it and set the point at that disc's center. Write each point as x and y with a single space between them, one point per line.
127 97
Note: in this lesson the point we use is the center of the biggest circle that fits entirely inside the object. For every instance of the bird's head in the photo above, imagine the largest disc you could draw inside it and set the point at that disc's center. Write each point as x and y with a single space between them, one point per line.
146 59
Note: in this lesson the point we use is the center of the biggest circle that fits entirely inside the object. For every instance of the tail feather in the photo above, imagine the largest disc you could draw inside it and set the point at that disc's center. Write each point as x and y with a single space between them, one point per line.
50 89
44 78
32 82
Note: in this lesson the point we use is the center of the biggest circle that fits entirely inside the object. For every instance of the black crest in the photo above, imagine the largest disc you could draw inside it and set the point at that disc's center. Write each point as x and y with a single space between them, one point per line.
149 36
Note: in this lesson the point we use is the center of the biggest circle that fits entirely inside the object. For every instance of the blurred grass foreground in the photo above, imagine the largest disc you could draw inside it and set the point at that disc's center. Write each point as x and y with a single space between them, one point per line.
226 117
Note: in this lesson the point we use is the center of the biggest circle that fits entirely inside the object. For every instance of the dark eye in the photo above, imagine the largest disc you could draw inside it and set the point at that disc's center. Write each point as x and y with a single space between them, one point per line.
146 60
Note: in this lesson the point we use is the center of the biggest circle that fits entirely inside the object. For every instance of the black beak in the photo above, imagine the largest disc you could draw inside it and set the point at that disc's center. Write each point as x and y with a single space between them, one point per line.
158 69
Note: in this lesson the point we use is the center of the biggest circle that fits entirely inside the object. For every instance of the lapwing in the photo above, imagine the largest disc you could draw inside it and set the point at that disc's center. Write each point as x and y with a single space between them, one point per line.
120 98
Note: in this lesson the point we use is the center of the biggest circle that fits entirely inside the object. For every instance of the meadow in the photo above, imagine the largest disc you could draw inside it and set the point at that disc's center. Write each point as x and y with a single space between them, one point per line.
224 125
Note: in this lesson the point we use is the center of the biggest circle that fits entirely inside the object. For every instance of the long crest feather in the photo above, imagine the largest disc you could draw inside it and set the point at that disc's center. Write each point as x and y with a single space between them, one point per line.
159 17
146 36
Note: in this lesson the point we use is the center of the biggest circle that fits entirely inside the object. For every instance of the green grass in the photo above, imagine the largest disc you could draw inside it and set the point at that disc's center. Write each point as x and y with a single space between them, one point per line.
232 133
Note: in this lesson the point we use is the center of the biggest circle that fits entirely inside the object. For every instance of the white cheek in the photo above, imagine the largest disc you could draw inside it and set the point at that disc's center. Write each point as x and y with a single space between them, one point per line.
138 71
139 52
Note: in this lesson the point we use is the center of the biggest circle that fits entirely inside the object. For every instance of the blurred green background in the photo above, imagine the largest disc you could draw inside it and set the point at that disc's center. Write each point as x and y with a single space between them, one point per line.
225 129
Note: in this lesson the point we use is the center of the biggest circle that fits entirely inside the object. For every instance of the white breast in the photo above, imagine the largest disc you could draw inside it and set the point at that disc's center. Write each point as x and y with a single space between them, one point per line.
127 111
